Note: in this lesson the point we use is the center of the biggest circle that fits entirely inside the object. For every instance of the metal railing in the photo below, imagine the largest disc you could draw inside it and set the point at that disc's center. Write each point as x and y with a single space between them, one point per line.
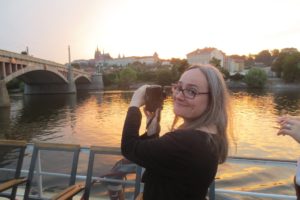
258 161
213 190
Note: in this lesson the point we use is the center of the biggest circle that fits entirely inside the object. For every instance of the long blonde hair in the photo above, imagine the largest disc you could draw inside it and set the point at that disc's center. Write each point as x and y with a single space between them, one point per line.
217 109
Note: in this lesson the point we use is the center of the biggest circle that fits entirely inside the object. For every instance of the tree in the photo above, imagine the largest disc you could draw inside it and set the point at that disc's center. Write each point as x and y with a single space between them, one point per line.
164 77
225 72
291 70
275 53
110 78
215 62
237 77
256 78
148 76
249 61
15 84
127 76
286 65
76 65
278 64
179 66
264 57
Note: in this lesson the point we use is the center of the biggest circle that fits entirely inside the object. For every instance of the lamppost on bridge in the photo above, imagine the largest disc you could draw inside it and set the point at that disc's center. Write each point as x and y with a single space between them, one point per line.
71 84
98 68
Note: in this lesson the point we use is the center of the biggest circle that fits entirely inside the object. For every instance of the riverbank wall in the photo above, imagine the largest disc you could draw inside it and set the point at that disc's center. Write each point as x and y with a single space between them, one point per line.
272 83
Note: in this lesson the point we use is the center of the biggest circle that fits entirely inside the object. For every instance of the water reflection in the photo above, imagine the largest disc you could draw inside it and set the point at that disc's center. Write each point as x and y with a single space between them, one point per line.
4 118
8 159
35 115
97 119
287 102
255 123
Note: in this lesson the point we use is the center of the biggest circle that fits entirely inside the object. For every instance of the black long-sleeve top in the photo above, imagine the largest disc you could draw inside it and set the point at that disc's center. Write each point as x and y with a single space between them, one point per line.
179 165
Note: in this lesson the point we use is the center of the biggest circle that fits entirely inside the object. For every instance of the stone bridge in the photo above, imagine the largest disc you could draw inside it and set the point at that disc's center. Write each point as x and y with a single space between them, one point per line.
43 76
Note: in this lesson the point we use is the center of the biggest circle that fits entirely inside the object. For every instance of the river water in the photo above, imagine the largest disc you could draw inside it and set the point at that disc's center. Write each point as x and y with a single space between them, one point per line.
97 119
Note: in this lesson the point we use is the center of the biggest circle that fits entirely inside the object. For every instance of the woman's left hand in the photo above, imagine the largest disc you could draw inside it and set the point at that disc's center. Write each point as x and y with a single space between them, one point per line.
153 121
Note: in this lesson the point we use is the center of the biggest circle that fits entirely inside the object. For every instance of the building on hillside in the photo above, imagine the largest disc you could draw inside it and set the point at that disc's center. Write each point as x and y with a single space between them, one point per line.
165 62
204 56
101 57
105 60
123 61
289 50
90 65
234 65
86 65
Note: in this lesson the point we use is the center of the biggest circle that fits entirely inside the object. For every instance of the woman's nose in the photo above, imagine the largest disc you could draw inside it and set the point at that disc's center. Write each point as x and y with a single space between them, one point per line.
179 95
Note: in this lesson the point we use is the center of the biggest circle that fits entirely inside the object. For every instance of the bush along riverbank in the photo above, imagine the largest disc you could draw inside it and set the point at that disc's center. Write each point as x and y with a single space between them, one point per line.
271 83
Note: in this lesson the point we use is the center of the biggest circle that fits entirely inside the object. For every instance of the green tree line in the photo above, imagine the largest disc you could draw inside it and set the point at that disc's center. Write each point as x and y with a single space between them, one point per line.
141 73
287 66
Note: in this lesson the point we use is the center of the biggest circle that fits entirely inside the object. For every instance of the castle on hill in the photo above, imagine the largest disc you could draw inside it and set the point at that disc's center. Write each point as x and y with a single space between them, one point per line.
198 56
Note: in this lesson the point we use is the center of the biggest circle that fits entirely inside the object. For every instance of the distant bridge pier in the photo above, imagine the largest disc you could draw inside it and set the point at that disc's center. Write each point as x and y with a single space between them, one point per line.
71 84
4 97
95 84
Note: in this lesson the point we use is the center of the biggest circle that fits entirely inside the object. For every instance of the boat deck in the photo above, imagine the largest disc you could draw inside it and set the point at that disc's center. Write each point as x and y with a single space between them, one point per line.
133 183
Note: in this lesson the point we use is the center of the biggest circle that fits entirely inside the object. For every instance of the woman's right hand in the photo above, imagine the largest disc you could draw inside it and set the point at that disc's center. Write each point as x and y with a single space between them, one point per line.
138 98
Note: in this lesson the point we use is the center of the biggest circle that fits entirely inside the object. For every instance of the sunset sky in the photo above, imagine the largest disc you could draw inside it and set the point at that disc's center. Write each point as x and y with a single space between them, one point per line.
172 28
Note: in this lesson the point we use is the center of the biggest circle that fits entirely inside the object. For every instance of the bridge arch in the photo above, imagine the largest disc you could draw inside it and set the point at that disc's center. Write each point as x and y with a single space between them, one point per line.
33 75
82 79
42 76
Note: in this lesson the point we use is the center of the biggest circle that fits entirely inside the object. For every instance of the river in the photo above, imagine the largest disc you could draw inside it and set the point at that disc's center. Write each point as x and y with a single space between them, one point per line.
97 118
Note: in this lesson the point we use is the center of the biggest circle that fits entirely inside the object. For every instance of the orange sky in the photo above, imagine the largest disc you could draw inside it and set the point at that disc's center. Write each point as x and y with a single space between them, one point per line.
172 28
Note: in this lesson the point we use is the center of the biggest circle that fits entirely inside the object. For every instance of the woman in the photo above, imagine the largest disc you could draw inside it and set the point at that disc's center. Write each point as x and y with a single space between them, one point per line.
291 126
182 163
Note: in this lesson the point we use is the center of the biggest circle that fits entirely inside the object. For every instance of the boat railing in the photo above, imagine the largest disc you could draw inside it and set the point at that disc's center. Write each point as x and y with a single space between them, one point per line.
258 161
138 185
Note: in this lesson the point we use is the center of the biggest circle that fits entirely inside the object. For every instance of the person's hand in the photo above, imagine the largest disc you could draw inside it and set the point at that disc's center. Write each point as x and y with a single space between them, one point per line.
138 98
153 119
290 126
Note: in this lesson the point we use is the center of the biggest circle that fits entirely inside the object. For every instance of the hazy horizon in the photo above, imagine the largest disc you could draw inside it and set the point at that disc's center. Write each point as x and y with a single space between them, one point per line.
142 27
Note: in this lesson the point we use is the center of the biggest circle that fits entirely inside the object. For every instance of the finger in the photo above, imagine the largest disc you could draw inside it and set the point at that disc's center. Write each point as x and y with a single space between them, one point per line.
286 123
157 112
281 133
156 115
148 113
282 119
145 112
284 132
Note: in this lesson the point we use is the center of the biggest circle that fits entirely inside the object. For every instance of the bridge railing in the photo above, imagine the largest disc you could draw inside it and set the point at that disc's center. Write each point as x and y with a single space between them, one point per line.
28 58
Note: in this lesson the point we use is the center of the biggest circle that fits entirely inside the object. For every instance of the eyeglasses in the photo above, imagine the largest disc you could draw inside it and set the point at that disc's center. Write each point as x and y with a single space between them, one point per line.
189 93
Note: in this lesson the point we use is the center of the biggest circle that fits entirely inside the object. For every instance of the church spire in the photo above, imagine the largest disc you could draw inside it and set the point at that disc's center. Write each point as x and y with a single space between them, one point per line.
97 54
